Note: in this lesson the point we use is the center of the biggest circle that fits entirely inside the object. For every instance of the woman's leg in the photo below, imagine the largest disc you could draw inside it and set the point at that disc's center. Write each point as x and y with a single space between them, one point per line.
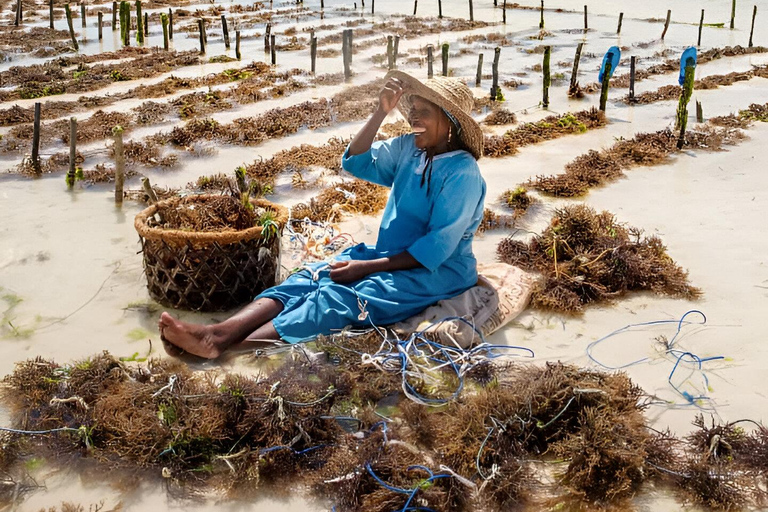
209 341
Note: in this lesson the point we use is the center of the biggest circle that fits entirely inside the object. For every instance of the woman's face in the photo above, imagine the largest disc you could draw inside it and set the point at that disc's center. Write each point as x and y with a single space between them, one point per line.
429 123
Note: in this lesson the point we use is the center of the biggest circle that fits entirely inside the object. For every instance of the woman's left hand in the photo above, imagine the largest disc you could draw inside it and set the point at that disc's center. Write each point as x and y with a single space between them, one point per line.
349 271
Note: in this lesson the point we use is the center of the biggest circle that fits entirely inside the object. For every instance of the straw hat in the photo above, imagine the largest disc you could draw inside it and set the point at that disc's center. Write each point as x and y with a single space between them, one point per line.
450 94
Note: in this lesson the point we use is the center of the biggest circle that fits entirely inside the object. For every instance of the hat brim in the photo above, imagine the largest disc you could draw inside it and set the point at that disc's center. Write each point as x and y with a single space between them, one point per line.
471 133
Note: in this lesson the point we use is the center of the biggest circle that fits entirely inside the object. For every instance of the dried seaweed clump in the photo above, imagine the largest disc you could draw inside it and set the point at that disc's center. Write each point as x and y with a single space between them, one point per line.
519 200
588 257
591 420
721 465
551 127
224 430
500 116
208 213
755 112
595 168
300 158
351 197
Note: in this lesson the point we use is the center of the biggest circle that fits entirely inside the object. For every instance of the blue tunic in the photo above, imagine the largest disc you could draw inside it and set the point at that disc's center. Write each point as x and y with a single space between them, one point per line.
436 227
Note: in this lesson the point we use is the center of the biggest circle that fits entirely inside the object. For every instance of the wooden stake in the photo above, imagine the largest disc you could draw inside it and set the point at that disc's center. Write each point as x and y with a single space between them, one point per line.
139 23
605 86
373 7
415 6
390 52
313 54
471 11
127 34
685 97
547 76
479 75
225 29
346 51
201 29
170 24
36 140
504 12
50 13
701 25
82 14
322 4
146 24
621 19
72 145
272 49
71 28
699 112
586 24
164 23
18 12
495 90
114 15
267 32
237 44
733 13
541 11
100 18
752 30
396 51
205 31
666 23
440 9
430 60
632 63
151 195
575 71
117 132
445 59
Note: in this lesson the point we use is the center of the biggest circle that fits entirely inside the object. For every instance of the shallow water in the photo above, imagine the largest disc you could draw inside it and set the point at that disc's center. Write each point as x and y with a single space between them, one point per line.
72 260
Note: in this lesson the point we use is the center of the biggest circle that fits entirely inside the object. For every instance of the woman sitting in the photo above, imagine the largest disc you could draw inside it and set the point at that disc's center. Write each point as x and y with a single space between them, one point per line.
424 249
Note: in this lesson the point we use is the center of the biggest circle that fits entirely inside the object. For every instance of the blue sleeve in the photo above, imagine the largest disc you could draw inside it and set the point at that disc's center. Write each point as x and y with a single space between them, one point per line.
378 164
452 215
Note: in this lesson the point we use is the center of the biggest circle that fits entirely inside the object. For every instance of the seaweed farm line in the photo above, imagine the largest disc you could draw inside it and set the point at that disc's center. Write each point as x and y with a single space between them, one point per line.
71 277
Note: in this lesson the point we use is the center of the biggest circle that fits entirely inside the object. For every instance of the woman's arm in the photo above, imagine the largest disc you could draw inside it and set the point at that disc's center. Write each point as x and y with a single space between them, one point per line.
354 270
388 98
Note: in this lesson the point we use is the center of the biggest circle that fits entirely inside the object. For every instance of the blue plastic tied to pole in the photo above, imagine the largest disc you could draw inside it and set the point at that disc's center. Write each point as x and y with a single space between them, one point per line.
688 58
613 55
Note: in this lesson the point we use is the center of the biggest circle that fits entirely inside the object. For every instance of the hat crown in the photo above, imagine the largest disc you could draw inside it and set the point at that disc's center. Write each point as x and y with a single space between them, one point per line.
453 90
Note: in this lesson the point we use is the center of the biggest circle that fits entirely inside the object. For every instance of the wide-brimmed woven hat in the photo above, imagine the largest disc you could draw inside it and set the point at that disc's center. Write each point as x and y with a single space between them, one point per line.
450 94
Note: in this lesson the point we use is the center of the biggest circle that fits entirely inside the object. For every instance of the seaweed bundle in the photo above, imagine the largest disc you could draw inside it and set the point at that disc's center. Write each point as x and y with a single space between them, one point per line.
596 168
355 196
551 127
311 424
588 257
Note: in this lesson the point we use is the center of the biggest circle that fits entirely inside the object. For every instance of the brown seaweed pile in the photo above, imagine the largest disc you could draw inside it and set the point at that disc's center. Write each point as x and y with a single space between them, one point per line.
596 168
672 92
208 213
349 197
587 257
551 127
500 116
311 424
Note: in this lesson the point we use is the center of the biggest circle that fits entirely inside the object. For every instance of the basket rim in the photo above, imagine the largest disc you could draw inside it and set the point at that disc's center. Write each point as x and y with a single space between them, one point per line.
204 237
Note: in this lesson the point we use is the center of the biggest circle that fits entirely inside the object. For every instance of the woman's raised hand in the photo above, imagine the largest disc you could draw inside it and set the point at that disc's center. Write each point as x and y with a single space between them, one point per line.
390 95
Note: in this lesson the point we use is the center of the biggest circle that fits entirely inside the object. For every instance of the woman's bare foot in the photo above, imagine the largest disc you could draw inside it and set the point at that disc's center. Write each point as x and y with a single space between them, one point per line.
196 339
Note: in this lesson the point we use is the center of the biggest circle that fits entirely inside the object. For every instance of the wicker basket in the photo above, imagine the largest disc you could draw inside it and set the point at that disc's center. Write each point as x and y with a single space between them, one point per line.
208 271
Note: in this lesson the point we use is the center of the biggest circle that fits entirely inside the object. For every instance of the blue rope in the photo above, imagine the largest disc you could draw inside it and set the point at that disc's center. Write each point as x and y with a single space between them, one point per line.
671 343
681 356
264 451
